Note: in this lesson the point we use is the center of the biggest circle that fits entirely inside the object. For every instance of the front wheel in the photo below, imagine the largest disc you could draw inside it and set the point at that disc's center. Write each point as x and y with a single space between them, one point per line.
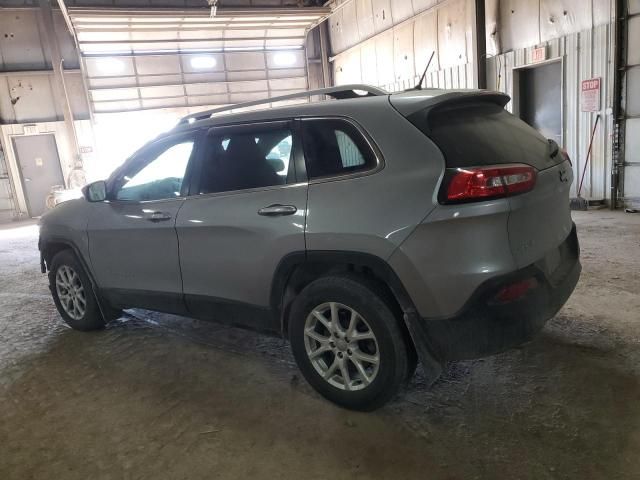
347 342
72 293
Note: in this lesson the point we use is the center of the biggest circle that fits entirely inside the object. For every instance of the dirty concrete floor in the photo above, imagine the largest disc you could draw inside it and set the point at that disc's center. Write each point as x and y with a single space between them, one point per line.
156 396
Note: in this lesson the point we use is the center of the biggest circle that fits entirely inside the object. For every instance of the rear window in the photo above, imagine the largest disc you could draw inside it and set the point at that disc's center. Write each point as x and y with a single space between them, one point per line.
334 147
477 134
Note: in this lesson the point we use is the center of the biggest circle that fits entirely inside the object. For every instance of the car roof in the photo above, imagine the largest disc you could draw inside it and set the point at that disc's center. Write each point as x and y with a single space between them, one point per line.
405 102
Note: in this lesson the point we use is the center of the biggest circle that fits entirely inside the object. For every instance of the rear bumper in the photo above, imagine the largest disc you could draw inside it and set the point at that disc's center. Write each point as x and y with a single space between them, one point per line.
484 327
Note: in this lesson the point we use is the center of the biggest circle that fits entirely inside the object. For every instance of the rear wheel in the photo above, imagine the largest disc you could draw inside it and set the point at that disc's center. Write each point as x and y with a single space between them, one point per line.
347 342
72 293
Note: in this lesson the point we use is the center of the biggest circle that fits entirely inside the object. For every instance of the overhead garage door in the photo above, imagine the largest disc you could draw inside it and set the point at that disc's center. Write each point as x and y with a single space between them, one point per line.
146 59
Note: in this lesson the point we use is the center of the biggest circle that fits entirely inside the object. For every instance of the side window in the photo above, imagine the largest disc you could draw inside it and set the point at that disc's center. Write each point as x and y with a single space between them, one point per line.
334 147
246 158
158 176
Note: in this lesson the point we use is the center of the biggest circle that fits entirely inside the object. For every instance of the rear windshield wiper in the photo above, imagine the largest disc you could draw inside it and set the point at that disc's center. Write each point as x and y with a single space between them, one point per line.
554 148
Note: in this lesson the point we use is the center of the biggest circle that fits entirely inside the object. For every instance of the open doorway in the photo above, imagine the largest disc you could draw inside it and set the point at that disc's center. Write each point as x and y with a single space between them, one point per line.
540 98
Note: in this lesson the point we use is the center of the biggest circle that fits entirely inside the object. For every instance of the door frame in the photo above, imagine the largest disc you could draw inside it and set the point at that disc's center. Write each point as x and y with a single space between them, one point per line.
19 166
515 90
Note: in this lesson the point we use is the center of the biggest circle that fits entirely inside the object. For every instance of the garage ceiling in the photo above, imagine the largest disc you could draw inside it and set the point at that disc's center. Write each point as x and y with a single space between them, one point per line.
137 59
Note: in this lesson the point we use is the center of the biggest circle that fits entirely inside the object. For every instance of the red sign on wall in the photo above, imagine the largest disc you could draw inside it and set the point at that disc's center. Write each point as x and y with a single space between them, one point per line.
590 95
539 54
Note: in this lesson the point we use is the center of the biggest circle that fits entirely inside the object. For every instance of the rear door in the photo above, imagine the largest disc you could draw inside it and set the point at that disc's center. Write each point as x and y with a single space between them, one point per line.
132 238
246 214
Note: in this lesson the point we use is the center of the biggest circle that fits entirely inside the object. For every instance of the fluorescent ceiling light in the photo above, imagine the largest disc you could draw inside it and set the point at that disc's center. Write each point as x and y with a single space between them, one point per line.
284 59
110 65
203 62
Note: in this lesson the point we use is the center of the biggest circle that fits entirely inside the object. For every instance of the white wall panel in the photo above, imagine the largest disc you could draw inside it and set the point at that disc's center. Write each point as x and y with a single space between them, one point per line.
350 31
384 57
401 10
382 18
453 25
633 53
422 5
632 141
519 25
562 17
425 41
633 87
403 63
364 11
369 63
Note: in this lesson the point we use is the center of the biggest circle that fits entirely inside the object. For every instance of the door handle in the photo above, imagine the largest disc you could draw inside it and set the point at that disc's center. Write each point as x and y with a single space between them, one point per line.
159 217
277 210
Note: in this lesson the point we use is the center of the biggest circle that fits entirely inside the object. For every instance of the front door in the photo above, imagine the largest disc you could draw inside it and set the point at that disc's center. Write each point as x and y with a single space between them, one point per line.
132 238
39 168
247 213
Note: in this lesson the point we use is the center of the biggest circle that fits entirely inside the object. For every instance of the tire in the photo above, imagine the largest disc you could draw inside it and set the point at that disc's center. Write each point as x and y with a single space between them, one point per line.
67 275
373 384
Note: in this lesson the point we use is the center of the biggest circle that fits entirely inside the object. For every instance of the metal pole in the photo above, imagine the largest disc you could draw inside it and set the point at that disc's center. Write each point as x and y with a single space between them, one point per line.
57 62
480 41
324 54
620 44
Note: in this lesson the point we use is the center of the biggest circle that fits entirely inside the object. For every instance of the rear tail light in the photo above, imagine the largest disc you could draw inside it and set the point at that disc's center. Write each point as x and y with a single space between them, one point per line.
483 183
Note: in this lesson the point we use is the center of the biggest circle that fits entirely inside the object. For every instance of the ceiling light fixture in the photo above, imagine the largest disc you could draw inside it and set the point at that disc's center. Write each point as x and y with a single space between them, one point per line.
110 65
284 59
203 62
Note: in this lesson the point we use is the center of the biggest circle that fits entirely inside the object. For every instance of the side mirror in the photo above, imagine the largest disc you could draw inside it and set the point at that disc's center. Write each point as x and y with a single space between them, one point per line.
96 191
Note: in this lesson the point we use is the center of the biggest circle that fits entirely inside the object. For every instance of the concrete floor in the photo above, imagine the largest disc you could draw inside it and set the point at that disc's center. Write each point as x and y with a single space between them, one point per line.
156 396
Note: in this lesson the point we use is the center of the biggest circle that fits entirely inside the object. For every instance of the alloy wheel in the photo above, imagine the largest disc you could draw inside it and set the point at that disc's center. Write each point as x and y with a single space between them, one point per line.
71 292
341 346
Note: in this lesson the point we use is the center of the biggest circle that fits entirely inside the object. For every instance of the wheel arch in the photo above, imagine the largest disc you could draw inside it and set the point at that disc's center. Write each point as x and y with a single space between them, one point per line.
51 246
298 269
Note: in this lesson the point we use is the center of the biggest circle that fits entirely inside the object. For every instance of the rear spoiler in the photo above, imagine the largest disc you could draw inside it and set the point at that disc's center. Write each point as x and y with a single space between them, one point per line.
408 103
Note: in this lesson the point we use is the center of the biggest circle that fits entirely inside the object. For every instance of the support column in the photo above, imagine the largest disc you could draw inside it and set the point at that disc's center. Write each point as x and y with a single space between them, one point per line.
479 45
61 97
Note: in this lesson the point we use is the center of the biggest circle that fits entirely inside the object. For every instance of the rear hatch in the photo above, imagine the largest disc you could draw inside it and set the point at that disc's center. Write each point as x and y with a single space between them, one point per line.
475 133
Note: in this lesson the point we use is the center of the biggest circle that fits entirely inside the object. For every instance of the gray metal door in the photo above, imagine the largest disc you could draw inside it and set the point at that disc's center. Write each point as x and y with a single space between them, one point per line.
39 169
541 99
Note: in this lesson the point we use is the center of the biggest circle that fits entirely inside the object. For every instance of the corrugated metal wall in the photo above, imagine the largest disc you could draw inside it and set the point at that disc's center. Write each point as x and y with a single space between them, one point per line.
587 54
388 43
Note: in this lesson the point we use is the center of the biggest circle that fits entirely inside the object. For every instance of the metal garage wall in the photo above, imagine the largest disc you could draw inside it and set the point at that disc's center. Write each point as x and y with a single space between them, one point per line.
632 108
26 75
586 54
523 23
388 43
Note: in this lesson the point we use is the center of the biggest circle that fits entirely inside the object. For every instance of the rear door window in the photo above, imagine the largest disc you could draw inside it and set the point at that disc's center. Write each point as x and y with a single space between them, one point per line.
334 147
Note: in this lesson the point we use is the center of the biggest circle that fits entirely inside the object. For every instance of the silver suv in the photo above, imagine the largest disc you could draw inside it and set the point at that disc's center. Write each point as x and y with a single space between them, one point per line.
373 231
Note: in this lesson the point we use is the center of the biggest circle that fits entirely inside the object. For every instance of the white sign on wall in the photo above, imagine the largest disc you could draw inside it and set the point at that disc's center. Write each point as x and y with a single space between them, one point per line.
590 95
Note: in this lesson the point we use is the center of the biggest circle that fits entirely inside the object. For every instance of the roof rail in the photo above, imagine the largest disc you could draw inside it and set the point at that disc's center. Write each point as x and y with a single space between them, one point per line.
341 92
